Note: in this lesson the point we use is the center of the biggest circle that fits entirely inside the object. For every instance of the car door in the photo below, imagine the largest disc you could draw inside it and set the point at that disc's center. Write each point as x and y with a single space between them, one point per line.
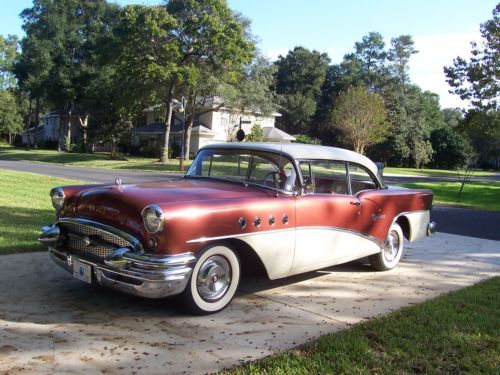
331 221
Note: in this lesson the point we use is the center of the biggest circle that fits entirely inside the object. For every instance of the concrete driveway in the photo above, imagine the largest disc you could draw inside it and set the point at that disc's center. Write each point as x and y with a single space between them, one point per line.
51 323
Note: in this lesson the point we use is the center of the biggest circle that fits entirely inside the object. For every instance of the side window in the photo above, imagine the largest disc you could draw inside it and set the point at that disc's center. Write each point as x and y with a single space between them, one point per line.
324 177
360 179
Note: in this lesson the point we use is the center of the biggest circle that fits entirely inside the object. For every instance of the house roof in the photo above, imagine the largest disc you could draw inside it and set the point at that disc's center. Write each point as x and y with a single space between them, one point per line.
275 134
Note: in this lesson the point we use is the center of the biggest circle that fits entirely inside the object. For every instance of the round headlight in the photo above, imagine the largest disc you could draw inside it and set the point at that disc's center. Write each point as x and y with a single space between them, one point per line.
153 218
57 195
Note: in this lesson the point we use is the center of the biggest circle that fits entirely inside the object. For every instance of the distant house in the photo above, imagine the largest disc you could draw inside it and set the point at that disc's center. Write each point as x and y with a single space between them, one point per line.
48 130
219 125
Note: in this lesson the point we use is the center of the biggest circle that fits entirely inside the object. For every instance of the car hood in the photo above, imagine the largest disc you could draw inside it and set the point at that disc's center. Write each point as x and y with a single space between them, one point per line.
123 205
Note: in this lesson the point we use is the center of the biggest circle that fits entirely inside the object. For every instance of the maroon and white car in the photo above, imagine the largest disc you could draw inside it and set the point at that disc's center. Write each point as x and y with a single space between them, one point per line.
292 207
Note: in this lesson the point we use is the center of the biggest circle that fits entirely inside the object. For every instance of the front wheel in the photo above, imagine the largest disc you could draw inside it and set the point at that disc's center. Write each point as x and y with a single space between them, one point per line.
390 255
213 282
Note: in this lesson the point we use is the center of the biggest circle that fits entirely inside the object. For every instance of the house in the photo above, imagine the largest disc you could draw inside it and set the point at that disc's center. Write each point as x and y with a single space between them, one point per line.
48 130
215 124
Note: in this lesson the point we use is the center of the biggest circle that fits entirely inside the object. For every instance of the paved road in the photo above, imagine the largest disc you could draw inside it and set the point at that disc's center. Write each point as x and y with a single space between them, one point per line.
465 222
460 221
97 175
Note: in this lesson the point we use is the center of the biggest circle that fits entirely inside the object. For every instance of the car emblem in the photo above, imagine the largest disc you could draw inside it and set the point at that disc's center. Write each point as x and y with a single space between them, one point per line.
86 241
118 181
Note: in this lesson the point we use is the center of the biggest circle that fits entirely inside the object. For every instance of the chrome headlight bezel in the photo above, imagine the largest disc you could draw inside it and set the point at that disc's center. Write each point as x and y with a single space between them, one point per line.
153 218
57 196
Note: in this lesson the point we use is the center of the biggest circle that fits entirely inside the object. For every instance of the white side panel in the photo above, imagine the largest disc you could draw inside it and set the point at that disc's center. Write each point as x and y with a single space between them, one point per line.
324 247
275 249
418 224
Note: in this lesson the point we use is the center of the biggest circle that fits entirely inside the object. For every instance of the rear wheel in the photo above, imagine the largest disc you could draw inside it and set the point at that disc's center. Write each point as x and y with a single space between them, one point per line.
213 282
389 257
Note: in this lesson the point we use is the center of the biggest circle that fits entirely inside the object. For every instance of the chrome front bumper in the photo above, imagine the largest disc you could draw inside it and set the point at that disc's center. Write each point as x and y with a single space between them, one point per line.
144 275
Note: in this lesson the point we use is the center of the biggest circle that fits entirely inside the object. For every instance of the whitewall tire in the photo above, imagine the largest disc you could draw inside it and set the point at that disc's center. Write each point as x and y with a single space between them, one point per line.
391 254
213 282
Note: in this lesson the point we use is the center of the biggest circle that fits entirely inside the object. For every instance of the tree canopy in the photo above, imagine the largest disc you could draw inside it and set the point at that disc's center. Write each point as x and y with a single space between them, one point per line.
360 116
478 79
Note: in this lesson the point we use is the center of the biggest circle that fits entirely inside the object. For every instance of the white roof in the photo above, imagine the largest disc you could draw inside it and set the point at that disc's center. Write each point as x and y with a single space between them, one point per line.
276 134
302 151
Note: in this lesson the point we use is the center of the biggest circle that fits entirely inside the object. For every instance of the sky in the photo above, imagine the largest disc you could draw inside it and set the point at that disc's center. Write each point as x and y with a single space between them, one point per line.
441 29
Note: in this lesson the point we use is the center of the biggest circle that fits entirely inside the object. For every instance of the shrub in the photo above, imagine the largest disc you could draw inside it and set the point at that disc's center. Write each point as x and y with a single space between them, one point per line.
256 134
304 138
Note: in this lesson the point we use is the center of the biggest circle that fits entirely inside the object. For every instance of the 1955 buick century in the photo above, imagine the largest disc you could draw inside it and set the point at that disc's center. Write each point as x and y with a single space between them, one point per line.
294 207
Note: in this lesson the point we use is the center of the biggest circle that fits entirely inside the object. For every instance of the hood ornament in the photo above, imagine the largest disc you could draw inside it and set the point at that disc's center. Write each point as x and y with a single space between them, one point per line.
118 181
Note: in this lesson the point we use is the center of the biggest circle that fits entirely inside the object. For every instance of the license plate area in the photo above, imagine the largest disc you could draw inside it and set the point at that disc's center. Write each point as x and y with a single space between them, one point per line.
82 271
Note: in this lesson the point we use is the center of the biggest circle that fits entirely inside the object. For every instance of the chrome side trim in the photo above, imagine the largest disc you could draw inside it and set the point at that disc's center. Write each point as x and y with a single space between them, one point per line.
344 230
238 235
137 247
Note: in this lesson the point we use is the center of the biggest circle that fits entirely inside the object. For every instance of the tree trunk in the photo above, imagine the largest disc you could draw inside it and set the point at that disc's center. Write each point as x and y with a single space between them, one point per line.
37 122
187 136
84 121
166 134
67 141
188 126
28 122
166 130
60 131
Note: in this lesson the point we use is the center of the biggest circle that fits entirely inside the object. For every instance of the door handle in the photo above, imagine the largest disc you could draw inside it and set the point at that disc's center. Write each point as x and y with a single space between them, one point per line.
355 203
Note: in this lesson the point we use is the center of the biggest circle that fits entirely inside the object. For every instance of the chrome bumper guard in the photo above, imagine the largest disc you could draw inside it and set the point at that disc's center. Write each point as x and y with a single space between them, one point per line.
140 274
431 228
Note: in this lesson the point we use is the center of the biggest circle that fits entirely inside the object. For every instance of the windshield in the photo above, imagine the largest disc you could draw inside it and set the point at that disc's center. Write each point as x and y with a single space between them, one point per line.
266 169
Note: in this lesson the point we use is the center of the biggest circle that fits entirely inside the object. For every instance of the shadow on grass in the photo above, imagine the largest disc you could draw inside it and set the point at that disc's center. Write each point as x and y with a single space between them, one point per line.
21 228
48 156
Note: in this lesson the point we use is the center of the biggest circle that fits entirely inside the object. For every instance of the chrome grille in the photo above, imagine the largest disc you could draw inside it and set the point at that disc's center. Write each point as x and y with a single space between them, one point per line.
90 242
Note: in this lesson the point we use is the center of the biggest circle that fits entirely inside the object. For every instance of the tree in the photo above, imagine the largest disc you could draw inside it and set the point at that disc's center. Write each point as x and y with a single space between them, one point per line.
483 130
8 55
168 49
477 80
452 116
371 54
10 119
240 87
63 58
399 55
299 78
209 36
360 116
450 148
412 115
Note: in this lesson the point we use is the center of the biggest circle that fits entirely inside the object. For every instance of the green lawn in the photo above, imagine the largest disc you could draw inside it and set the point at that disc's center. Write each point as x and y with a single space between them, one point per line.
454 334
88 160
479 195
432 172
25 207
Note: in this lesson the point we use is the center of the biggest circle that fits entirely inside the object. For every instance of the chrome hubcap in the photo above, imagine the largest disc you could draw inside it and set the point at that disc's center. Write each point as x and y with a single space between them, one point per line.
391 247
213 278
